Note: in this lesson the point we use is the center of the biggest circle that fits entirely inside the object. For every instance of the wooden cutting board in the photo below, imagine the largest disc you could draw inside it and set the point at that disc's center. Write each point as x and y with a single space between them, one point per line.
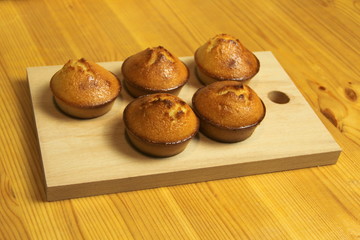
91 157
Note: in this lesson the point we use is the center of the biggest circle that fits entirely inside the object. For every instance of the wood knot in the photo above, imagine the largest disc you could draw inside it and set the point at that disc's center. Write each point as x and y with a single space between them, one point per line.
322 88
329 115
350 94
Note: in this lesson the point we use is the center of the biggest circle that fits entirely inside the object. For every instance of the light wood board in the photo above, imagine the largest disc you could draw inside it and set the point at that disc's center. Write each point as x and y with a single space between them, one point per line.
91 157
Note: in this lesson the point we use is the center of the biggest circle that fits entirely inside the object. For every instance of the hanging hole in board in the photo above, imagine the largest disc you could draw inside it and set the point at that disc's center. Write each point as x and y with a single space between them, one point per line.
278 97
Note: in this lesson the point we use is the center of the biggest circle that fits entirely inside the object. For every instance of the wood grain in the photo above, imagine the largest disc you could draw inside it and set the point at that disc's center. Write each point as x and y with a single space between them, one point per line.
316 41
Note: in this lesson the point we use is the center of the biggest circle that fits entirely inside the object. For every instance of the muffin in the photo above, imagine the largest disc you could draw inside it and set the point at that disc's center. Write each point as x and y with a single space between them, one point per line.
160 124
229 111
223 57
83 89
154 70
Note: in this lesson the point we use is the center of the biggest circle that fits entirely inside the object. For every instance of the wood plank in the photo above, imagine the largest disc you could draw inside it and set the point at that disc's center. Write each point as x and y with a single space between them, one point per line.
90 157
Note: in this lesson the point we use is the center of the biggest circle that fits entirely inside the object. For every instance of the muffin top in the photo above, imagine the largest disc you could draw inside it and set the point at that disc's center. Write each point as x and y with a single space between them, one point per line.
84 83
155 69
225 58
228 104
161 118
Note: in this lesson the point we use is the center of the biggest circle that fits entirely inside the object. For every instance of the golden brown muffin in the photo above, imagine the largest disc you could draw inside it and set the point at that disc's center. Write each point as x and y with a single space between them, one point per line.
223 57
84 89
160 124
154 70
228 110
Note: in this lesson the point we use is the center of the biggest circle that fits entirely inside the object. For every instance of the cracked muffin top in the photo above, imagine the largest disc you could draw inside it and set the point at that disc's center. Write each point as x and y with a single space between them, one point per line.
228 104
224 57
161 118
155 69
85 84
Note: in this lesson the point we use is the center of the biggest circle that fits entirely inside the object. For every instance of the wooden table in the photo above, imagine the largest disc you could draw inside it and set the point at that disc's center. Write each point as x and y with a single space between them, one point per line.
316 42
